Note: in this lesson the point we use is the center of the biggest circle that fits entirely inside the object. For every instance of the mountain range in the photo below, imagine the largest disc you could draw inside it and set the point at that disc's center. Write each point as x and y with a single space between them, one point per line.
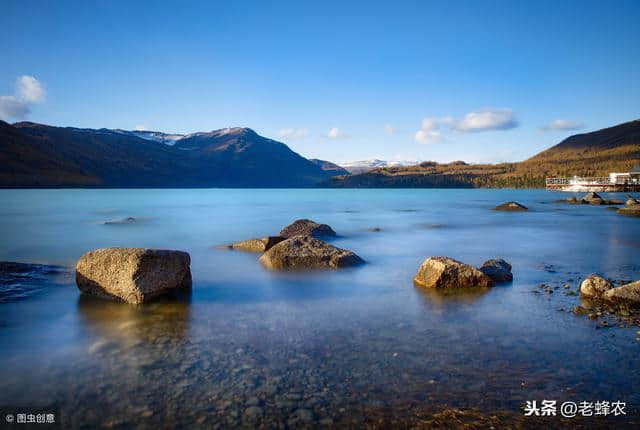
38 155
598 153
355 167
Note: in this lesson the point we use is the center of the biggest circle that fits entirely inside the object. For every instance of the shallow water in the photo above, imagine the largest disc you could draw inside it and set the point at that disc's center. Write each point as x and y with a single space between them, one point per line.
252 347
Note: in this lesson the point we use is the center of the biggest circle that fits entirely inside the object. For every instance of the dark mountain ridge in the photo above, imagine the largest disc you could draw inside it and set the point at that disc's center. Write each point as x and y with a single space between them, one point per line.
38 155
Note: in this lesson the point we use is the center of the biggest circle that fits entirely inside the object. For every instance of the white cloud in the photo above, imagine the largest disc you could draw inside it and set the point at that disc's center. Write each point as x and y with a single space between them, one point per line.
12 107
430 131
293 133
28 91
427 137
389 129
336 133
496 119
140 127
563 124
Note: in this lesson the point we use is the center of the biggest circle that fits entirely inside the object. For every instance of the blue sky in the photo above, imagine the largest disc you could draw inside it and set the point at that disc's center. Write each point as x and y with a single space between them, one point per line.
480 81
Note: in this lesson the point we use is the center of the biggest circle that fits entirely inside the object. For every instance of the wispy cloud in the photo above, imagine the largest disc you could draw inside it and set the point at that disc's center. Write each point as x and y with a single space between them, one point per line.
28 91
293 133
485 120
429 134
336 133
425 137
563 124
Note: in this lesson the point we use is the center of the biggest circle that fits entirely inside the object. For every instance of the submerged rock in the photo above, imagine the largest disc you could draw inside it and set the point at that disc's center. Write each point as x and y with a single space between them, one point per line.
257 245
632 210
497 269
595 286
306 252
596 201
511 207
134 275
306 227
445 272
127 220
576 201
627 294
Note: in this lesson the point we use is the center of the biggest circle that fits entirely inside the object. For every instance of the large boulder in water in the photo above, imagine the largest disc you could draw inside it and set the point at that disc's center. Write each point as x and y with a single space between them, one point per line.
628 294
445 272
595 286
497 269
632 202
511 207
306 227
257 245
134 275
306 252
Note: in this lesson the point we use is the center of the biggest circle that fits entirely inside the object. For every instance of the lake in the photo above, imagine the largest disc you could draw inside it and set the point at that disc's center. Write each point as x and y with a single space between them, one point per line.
331 348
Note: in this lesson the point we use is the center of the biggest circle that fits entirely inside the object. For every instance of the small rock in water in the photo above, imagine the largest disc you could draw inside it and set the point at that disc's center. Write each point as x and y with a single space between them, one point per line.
306 227
304 415
595 286
628 294
497 269
305 252
579 310
445 272
127 220
257 245
511 207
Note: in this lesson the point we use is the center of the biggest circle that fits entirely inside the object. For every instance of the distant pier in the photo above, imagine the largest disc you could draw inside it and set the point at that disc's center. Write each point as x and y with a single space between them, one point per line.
614 183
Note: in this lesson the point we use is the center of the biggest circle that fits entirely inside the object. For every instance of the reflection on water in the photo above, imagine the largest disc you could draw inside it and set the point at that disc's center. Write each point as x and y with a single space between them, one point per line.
440 297
250 347
119 322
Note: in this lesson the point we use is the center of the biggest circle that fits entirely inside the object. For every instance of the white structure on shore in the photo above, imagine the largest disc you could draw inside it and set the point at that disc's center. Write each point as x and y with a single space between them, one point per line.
615 182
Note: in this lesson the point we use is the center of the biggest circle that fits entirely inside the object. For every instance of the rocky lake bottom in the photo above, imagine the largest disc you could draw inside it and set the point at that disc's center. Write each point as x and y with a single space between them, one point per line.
360 347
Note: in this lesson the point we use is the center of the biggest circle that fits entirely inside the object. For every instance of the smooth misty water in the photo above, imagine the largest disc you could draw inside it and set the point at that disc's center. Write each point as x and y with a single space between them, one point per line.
251 346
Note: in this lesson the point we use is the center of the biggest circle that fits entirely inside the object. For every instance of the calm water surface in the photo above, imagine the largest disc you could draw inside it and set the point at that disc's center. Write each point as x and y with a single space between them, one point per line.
251 347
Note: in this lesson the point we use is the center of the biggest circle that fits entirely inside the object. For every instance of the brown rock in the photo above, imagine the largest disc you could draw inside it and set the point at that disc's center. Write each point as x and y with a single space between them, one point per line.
306 227
134 275
511 207
497 269
595 286
306 252
576 201
633 210
628 294
445 272
592 196
258 245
